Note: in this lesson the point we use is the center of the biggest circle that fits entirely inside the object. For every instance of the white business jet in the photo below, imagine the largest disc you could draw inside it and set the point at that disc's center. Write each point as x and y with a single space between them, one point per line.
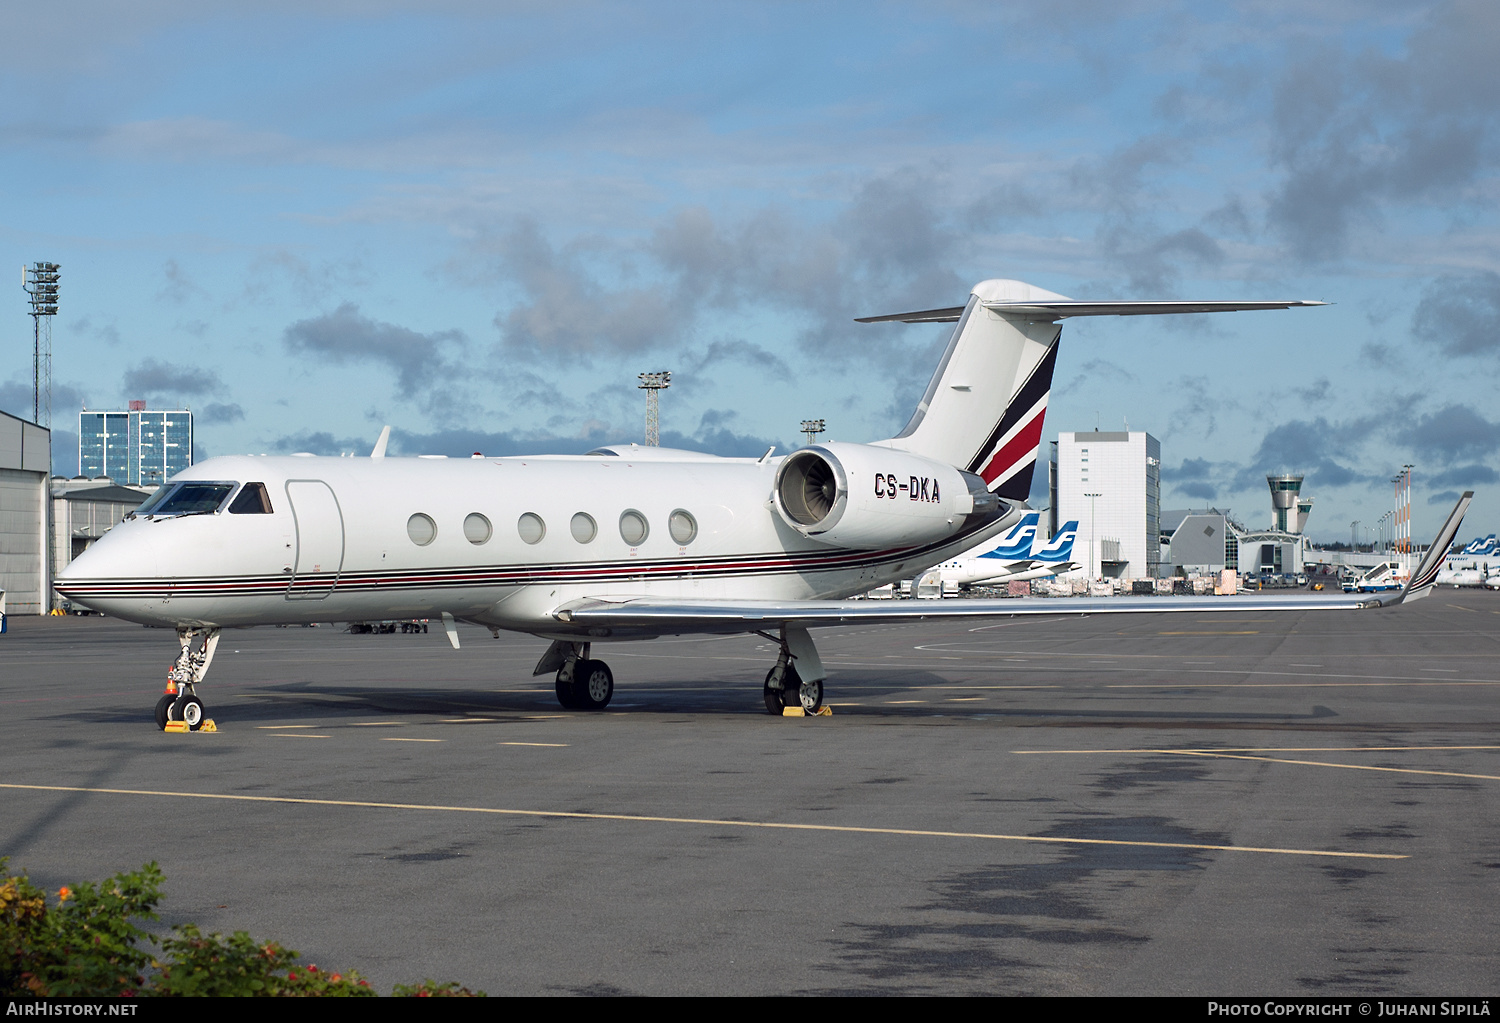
627 542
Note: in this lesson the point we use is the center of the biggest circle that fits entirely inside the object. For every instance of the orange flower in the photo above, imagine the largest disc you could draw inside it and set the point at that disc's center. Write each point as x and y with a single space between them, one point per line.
64 893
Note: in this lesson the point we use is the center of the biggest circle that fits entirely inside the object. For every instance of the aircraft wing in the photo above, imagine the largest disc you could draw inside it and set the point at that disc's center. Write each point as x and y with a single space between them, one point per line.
667 616
664 616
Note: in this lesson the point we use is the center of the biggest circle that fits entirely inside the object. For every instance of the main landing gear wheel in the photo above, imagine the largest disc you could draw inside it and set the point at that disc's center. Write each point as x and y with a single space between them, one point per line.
565 692
164 710
777 699
794 691
189 710
593 685
809 694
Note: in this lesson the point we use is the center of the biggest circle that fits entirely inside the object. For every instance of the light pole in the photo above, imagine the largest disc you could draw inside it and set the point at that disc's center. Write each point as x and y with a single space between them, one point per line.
811 428
39 281
1093 538
1404 516
653 384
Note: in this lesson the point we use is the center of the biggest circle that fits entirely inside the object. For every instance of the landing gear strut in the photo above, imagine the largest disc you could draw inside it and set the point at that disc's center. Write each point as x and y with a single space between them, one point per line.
786 685
180 702
582 683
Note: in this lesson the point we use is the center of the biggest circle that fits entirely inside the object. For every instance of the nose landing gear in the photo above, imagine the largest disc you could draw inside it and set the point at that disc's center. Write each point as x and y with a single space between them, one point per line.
180 703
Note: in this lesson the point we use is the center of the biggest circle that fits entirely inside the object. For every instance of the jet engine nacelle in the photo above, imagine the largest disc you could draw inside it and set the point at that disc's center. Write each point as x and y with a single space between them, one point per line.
863 497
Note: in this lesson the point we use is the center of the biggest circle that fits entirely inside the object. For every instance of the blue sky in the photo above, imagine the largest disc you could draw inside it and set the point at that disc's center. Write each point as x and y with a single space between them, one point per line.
479 221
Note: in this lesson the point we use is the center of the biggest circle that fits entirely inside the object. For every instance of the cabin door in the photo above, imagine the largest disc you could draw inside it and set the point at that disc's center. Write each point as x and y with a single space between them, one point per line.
320 539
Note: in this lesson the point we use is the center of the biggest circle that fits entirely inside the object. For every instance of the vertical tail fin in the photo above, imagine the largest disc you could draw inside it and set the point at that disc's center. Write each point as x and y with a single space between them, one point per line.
984 408
1016 544
1060 547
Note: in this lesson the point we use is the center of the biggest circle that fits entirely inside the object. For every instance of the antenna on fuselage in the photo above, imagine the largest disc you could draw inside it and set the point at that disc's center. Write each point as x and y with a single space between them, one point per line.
385 438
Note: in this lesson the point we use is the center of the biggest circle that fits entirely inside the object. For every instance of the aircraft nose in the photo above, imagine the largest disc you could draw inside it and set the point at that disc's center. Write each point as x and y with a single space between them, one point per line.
116 555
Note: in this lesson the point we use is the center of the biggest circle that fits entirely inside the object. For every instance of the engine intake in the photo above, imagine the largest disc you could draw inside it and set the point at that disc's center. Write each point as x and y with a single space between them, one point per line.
808 487
863 497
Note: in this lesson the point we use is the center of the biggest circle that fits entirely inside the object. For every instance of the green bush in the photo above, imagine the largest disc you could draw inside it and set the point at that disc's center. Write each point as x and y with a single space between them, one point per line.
88 945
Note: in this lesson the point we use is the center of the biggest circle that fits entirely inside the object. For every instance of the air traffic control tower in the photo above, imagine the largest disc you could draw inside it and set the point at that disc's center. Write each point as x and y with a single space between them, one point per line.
1288 511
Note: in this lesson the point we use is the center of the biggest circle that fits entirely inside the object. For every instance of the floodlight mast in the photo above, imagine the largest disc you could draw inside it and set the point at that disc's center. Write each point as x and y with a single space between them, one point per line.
39 281
652 384
811 428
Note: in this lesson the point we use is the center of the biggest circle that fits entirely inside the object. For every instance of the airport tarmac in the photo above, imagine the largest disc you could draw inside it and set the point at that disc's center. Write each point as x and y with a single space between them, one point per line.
1256 804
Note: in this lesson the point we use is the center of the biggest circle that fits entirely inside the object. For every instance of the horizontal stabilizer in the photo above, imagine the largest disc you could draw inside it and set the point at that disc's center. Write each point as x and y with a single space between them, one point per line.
948 315
1058 310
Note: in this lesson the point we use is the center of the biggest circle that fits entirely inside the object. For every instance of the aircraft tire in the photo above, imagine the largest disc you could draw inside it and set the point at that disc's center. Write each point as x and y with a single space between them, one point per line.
773 701
565 689
188 709
810 695
164 710
593 685
776 699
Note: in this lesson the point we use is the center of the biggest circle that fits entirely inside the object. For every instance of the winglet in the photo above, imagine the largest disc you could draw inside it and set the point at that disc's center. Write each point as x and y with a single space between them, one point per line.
1425 576
385 438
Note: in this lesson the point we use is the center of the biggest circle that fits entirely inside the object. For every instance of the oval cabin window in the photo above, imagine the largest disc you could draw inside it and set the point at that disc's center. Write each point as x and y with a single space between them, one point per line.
531 527
683 527
421 529
633 528
477 528
583 528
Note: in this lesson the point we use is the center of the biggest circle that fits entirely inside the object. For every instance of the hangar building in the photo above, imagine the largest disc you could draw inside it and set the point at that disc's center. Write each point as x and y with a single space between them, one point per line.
25 471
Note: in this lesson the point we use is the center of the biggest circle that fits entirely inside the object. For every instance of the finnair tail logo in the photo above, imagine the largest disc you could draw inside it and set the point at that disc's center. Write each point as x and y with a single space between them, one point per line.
1017 543
1060 547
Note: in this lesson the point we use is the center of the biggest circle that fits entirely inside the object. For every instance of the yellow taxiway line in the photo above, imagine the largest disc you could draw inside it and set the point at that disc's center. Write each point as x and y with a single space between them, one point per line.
711 822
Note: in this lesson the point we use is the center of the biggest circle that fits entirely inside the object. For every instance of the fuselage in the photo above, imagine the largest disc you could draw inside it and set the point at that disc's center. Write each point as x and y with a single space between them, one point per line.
496 541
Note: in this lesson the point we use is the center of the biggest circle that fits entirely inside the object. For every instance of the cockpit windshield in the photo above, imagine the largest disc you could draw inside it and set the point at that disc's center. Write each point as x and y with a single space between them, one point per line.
190 498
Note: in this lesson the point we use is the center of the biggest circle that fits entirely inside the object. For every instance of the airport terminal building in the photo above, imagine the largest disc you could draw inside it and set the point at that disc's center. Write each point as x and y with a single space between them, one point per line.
1209 540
